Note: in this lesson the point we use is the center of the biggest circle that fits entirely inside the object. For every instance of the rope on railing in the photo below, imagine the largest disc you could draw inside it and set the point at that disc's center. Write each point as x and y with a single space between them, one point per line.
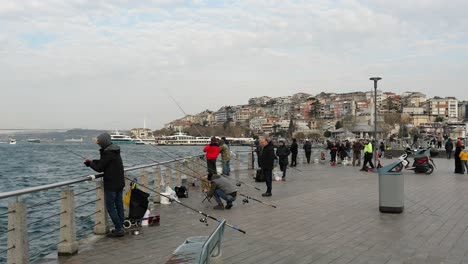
8 249
8 213
53 230
8 231
35 222
79 206
46 249
50 201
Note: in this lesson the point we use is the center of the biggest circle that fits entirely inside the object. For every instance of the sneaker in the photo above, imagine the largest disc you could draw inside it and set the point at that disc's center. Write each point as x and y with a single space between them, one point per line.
363 169
228 205
266 194
219 207
115 233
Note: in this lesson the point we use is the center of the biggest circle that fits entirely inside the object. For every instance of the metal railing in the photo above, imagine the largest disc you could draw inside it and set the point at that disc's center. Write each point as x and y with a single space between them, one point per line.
59 221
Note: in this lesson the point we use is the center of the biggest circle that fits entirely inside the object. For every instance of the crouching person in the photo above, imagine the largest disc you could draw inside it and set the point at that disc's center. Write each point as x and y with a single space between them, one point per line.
222 188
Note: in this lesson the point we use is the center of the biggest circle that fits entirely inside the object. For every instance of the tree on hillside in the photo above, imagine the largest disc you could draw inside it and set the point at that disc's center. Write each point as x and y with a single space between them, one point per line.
439 119
327 134
291 128
338 125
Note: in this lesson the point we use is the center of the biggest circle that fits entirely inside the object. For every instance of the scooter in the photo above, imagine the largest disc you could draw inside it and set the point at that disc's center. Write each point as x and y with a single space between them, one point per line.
423 162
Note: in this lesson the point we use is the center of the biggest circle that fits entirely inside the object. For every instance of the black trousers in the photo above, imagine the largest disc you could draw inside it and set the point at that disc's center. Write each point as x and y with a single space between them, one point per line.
307 153
293 159
268 178
211 165
283 168
367 159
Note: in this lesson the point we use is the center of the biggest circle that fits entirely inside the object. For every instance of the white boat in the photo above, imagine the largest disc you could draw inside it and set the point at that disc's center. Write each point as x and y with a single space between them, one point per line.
74 140
181 139
12 142
117 138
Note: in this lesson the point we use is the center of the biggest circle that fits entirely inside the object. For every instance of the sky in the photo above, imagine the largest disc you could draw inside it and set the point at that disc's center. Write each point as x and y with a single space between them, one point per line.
111 64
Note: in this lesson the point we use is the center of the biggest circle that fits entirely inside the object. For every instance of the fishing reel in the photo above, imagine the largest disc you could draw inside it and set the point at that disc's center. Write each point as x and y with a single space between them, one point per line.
238 184
204 220
245 200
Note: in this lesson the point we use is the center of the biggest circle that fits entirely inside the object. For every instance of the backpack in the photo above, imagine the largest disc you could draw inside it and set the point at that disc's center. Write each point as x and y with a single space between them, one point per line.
181 192
260 176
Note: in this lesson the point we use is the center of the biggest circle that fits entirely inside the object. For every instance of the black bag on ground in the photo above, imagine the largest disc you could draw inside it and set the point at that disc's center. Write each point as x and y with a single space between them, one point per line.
181 192
138 204
260 176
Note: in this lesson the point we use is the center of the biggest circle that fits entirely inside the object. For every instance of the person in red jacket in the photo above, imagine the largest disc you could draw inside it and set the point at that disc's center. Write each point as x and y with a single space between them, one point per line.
212 151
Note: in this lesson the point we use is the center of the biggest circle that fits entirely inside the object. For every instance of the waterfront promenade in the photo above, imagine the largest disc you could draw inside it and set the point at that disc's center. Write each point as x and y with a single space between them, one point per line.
325 215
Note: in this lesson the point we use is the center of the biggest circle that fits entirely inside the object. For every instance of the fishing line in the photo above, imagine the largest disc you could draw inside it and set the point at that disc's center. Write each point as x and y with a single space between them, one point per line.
238 181
199 178
203 220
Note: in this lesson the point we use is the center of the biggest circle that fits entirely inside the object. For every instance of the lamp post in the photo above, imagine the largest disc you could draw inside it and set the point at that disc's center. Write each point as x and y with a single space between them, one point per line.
375 79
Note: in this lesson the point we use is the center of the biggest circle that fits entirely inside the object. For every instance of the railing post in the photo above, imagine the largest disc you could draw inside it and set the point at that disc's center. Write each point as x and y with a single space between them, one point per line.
178 173
157 184
18 236
237 168
67 224
168 177
100 227
144 179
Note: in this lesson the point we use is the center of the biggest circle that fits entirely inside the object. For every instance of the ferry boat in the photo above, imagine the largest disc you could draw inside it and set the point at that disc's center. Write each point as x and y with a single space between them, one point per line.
34 140
117 138
74 140
182 139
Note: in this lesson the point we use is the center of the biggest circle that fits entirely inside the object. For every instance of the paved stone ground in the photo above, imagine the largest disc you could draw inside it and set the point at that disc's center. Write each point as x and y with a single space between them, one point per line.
325 215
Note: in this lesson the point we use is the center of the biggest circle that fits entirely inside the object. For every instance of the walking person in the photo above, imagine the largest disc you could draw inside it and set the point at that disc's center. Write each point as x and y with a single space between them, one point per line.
464 158
212 151
225 157
283 152
357 147
110 163
307 149
267 160
449 148
382 149
458 164
439 141
333 151
294 149
367 156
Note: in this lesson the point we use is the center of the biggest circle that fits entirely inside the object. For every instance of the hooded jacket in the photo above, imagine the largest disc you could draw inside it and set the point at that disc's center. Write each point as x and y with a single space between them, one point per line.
225 152
212 151
110 164
283 152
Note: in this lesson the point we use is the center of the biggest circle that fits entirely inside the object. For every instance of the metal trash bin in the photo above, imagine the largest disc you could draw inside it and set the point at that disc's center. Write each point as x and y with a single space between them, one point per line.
391 189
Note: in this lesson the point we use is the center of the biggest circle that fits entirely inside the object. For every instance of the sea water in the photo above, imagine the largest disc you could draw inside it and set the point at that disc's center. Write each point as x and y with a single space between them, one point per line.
31 164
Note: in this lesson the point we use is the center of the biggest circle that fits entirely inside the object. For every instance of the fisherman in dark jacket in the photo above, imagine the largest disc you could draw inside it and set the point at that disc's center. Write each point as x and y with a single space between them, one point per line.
283 152
449 148
267 160
221 188
111 165
294 149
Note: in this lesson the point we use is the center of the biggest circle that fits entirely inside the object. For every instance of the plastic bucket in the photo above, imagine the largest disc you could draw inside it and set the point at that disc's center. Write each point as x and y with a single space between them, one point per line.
165 200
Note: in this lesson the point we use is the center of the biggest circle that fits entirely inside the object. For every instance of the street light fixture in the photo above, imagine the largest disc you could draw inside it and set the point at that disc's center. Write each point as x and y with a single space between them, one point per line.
375 79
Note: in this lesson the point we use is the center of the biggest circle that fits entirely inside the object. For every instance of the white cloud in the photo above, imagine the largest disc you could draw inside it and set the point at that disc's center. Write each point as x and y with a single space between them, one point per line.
212 53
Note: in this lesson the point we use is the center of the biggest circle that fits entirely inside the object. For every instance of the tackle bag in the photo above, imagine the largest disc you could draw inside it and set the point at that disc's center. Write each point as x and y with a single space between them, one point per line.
181 192
138 204
260 176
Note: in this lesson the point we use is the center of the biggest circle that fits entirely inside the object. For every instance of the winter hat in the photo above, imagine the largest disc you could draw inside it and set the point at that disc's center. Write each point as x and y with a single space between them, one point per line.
104 140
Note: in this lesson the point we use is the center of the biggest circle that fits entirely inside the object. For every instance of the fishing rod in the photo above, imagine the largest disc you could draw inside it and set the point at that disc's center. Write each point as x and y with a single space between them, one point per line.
239 182
203 220
246 200
74 153
200 178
